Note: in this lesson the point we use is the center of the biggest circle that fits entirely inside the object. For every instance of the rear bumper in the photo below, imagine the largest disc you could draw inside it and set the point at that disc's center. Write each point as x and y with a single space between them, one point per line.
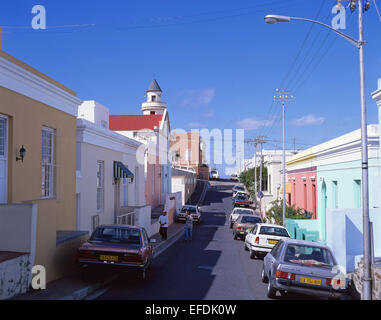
260 249
84 263
282 285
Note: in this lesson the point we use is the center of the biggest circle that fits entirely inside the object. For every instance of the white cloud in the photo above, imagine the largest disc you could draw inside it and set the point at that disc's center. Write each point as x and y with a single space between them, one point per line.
310 119
197 98
195 125
253 123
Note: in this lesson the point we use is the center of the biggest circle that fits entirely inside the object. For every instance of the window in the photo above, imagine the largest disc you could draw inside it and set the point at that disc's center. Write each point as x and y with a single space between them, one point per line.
187 155
153 98
334 195
117 235
47 170
152 112
308 256
100 182
357 193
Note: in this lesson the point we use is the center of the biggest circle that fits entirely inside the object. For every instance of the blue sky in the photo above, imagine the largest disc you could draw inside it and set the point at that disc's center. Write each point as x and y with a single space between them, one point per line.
217 62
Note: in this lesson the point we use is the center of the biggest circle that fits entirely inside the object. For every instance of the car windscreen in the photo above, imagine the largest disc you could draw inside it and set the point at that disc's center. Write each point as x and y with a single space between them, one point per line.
251 220
191 210
241 197
308 256
274 231
116 235
240 188
213 172
242 212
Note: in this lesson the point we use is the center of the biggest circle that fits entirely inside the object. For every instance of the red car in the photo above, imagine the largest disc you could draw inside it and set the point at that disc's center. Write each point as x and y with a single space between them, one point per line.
119 246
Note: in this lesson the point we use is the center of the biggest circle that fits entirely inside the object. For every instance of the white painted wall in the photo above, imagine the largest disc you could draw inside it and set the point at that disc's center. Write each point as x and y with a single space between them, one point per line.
94 112
97 144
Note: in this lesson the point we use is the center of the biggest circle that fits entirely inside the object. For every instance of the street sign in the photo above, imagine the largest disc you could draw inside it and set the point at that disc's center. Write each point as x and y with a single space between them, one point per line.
260 194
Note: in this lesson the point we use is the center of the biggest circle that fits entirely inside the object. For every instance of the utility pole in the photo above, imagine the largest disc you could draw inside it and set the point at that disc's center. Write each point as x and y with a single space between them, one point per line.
283 96
367 279
260 140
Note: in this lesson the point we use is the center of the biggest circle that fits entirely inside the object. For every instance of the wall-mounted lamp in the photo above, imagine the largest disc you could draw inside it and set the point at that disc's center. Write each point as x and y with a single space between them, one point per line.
22 153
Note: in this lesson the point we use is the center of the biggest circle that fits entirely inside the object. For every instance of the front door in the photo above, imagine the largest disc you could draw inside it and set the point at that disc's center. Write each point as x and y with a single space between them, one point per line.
3 158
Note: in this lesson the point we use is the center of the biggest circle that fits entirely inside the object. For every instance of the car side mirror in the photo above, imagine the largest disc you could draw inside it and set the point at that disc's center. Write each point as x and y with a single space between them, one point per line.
152 240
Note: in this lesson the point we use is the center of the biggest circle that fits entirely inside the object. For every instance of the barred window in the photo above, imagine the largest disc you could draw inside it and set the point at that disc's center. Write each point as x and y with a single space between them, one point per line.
47 170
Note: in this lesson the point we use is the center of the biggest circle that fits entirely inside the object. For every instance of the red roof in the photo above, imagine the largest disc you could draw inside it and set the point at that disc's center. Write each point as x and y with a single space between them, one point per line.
134 122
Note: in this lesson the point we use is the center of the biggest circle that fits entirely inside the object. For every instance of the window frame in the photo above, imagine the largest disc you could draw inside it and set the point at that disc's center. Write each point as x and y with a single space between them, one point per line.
101 188
50 165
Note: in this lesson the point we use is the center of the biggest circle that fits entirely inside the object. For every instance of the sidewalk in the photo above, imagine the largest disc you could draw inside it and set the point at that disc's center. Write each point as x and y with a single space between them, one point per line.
71 287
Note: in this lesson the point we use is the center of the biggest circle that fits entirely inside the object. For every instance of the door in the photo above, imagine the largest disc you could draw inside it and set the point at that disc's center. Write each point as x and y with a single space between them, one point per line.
3 159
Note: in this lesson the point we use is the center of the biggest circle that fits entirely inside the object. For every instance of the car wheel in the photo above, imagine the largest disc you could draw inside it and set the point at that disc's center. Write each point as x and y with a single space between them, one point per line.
283 293
235 237
271 291
263 276
252 254
245 246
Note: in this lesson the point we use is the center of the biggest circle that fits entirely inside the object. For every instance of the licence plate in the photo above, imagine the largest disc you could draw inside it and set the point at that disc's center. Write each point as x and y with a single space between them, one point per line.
315 282
272 241
108 258
241 205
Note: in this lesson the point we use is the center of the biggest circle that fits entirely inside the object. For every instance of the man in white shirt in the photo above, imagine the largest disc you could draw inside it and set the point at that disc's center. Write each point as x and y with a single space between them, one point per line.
163 220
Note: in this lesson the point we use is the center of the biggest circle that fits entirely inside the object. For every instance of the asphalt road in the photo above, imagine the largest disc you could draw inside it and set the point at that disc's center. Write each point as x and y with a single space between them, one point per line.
212 266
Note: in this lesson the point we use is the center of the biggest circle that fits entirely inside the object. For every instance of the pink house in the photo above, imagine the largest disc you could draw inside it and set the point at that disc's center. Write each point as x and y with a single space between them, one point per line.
302 189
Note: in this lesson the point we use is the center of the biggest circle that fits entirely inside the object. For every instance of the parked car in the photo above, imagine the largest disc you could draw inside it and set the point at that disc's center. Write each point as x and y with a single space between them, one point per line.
244 222
244 193
214 175
237 188
234 177
117 246
302 267
194 211
242 200
237 212
263 237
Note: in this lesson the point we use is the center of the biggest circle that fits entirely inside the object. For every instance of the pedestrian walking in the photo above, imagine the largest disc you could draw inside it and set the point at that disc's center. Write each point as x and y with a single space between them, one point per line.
188 226
163 220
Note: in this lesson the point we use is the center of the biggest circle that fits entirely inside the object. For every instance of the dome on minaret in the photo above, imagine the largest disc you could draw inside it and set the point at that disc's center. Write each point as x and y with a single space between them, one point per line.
154 86
153 104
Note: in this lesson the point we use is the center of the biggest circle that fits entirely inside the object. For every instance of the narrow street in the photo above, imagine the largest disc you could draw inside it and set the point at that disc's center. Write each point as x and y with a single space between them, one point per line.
213 266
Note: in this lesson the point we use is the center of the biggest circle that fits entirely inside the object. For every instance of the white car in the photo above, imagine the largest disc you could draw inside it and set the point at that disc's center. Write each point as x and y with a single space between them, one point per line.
214 175
195 212
235 193
238 188
237 212
263 237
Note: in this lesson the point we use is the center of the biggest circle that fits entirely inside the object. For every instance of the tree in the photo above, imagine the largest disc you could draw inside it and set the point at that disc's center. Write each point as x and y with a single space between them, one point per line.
247 178
276 212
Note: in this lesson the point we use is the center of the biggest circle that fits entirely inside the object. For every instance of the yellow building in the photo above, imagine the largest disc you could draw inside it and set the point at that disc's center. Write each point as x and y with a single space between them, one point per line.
38 116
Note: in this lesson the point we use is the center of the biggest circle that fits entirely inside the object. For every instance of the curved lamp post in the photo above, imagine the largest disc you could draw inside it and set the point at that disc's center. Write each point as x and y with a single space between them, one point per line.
367 280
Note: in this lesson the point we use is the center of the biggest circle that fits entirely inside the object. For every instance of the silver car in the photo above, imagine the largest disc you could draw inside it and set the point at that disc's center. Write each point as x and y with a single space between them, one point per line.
304 267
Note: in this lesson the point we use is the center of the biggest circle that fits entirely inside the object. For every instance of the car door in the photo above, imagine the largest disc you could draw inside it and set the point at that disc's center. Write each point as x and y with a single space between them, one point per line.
251 235
270 259
147 247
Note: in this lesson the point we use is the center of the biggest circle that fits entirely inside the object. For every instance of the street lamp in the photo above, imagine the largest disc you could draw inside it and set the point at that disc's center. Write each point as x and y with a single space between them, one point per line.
272 19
